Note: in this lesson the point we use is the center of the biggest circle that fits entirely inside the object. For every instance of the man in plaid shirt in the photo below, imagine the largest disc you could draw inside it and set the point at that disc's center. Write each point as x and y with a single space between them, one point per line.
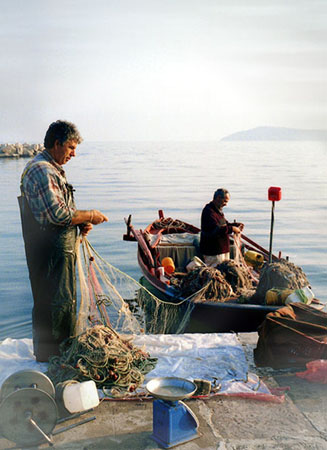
49 223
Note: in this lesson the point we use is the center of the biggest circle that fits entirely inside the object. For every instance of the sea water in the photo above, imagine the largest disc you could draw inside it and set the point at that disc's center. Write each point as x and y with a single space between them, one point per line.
140 178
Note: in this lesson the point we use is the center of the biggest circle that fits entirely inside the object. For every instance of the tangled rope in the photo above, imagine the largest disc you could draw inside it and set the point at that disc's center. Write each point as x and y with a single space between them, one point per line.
171 225
239 258
205 283
101 355
237 276
281 275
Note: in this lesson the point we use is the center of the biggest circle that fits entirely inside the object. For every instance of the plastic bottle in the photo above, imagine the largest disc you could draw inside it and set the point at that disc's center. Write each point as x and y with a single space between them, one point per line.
254 259
161 275
304 295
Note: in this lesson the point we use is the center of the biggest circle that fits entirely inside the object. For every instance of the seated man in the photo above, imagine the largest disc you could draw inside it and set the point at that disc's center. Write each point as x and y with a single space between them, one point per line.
215 230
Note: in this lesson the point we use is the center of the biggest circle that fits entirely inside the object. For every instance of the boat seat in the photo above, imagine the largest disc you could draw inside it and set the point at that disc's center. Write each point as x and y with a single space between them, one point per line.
181 255
180 247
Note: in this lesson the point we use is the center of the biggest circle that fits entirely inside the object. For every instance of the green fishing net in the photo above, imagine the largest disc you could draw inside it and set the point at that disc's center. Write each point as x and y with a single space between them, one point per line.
113 307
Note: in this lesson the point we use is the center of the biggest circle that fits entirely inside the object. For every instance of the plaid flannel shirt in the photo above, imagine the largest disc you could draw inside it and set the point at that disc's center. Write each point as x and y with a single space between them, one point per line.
47 191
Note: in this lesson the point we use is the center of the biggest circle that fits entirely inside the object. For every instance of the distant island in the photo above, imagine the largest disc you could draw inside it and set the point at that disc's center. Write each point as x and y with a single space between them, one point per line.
19 150
277 134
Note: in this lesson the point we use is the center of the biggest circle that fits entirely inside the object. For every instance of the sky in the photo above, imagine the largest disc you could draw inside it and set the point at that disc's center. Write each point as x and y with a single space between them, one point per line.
131 70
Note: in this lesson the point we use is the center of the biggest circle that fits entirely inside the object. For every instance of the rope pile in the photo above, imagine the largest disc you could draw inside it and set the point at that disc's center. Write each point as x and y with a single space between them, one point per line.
281 275
207 283
237 276
101 355
171 225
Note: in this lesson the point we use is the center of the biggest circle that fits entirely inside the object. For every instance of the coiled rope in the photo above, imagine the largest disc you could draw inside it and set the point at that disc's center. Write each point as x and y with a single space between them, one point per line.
170 225
102 355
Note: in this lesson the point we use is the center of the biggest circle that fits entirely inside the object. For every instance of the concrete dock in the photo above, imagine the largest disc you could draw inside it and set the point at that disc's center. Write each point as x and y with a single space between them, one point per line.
225 423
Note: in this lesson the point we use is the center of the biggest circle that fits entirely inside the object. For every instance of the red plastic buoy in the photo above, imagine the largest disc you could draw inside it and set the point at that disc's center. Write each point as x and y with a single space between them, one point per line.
274 195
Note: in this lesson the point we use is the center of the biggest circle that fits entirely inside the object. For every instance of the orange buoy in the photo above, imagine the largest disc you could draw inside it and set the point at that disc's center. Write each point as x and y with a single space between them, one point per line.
168 264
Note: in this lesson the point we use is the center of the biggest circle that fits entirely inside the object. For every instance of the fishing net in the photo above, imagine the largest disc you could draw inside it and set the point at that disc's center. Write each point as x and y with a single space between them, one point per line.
216 284
281 275
230 280
237 275
170 225
102 355
111 297
113 308
205 284
166 316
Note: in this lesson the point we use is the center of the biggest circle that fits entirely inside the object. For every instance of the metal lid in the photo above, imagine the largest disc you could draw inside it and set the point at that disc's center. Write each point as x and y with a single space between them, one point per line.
26 379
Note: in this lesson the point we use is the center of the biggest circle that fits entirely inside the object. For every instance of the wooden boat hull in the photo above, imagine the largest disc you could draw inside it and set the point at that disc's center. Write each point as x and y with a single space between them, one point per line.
206 317
226 317
209 317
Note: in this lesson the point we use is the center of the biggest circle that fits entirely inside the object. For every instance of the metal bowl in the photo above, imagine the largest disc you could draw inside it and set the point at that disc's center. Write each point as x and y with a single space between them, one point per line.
171 388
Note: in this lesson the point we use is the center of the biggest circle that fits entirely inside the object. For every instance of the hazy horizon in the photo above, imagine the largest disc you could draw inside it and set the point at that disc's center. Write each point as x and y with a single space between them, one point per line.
245 135
155 70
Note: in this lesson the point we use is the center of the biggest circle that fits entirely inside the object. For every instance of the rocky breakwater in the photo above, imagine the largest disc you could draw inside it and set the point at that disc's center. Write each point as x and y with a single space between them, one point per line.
19 150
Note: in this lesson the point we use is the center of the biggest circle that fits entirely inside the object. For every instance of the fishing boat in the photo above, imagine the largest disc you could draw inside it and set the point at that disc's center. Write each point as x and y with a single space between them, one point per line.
178 242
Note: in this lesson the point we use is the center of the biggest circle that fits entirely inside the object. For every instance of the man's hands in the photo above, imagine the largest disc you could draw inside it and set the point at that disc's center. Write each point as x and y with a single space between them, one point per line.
85 228
237 228
97 217
86 219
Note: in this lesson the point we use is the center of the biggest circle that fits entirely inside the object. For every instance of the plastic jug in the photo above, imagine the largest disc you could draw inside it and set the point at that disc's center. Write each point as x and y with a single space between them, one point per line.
79 397
168 264
304 295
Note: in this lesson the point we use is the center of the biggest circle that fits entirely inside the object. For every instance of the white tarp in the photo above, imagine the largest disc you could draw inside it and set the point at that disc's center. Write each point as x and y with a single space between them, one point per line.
215 357
17 354
192 356
174 238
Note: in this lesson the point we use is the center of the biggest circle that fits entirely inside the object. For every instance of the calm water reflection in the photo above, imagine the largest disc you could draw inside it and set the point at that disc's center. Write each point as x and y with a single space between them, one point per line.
140 178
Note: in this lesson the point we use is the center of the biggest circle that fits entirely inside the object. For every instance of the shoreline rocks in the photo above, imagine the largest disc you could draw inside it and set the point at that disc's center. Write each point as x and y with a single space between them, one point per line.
19 150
